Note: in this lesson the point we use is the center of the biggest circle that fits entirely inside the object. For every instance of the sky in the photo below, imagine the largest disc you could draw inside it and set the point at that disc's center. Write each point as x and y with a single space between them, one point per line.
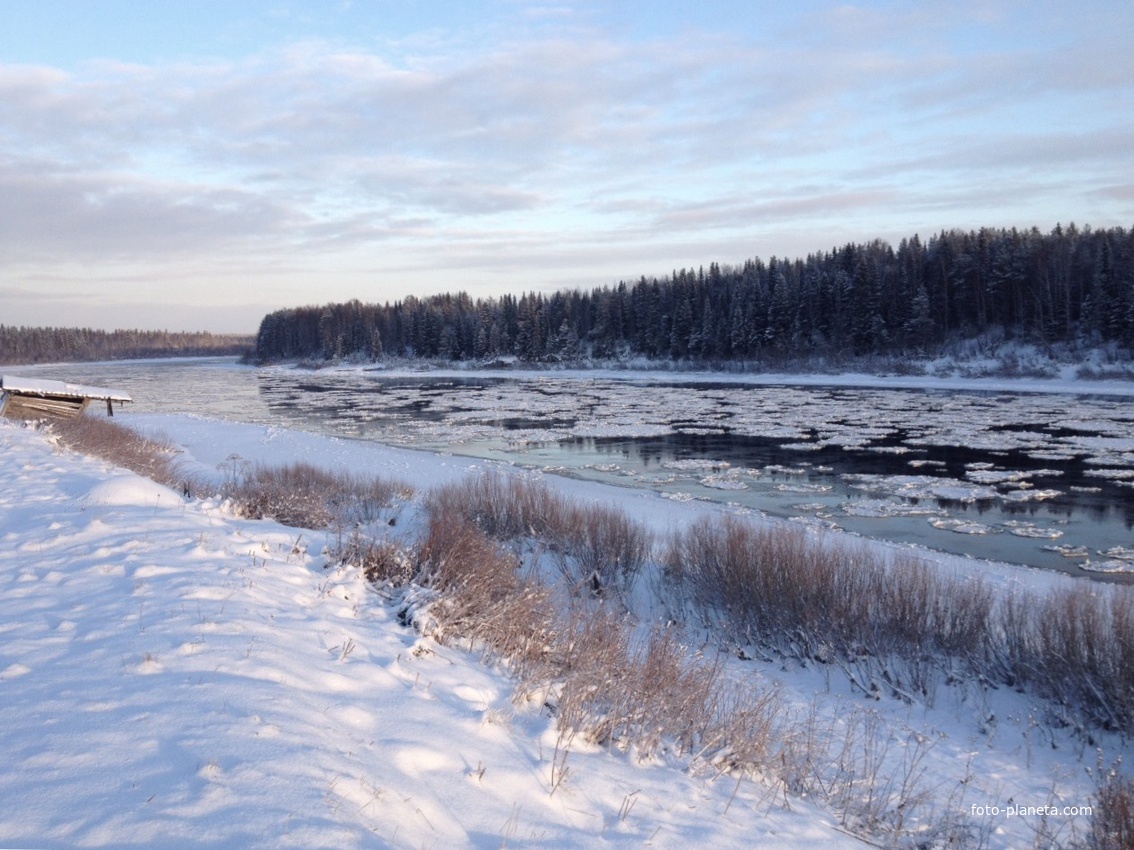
195 165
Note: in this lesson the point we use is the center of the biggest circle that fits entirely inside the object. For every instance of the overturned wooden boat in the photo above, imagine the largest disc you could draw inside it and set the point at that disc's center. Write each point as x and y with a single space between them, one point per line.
32 398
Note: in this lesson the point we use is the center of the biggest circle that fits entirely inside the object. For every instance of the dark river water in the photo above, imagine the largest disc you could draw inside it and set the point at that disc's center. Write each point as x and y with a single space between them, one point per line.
1045 479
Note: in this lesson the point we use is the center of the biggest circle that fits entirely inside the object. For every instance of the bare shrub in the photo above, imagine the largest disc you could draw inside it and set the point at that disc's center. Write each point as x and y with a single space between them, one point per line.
599 547
505 507
891 625
381 561
808 600
1076 647
307 496
122 446
602 549
1112 815
652 693
483 596
644 693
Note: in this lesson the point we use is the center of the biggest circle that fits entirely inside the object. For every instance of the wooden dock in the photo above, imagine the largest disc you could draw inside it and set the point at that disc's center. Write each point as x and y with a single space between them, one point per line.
33 398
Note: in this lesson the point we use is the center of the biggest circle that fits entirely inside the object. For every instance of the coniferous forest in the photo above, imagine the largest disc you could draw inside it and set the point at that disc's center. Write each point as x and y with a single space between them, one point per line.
54 345
1068 286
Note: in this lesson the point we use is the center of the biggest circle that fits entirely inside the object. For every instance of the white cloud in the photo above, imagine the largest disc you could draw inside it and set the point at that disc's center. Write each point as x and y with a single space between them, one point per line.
563 150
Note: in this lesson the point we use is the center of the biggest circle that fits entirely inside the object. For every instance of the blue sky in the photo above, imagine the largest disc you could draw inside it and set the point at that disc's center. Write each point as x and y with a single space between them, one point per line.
194 165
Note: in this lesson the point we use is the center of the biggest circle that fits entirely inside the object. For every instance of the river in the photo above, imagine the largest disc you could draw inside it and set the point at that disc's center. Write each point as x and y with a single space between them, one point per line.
1038 478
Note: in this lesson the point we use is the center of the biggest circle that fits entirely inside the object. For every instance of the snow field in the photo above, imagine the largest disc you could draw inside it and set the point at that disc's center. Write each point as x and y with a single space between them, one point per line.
173 675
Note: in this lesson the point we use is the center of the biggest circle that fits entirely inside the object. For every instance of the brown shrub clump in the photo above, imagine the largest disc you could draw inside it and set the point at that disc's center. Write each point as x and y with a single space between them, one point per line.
122 446
306 496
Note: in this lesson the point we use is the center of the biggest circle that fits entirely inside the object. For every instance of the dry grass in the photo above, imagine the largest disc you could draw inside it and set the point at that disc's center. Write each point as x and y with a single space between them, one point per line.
1112 815
599 548
641 693
306 496
1075 646
602 549
505 507
483 596
889 624
122 446
381 561
894 625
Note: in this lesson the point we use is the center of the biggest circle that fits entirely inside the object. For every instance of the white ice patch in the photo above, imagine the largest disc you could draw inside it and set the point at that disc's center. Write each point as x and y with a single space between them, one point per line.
696 465
615 429
723 482
1069 551
921 487
1030 529
1025 495
1120 553
804 488
985 475
1112 566
884 509
1112 474
961 526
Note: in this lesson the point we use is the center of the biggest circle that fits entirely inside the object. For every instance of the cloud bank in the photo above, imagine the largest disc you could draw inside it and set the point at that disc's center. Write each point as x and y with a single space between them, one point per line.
566 153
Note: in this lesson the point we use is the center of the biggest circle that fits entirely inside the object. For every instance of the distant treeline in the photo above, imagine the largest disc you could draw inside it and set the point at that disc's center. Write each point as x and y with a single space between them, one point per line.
49 345
1070 285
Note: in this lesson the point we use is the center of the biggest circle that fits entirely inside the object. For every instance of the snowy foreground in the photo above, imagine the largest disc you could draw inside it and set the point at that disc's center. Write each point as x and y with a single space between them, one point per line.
172 675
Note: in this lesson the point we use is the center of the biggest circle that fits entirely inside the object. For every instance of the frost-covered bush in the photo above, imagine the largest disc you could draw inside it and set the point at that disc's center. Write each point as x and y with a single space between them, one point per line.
898 624
598 548
121 446
307 496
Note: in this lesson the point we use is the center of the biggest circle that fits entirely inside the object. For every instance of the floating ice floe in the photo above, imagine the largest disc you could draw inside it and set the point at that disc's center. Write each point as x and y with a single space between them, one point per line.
812 507
723 482
604 467
1004 476
818 523
1030 529
961 526
1069 551
1111 566
804 488
884 509
535 437
1026 495
922 487
696 464
1120 553
616 429
1111 474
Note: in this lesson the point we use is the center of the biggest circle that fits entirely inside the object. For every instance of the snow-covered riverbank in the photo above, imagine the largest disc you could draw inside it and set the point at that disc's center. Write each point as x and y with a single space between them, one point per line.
173 675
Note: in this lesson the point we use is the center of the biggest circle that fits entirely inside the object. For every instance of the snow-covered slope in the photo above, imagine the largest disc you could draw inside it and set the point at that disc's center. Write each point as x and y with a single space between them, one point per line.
173 676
